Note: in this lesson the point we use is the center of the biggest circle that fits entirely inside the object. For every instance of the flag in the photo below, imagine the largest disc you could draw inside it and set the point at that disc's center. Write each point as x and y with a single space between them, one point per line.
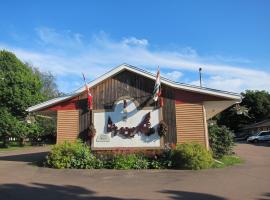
89 95
157 88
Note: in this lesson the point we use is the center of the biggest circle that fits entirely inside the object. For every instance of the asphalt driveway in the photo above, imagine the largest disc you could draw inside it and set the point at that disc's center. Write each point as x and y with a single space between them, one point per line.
20 179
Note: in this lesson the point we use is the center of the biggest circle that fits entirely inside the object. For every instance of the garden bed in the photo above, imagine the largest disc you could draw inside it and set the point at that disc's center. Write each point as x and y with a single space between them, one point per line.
185 156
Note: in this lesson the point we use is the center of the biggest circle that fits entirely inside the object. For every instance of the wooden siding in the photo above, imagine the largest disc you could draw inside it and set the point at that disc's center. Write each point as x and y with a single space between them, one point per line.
182 111
123 84
190 123
168 112
67 125
85 119
135 86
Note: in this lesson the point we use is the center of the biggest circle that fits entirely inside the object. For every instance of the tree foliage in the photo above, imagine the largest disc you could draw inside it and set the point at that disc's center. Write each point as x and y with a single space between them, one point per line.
49 88
258 105
21 87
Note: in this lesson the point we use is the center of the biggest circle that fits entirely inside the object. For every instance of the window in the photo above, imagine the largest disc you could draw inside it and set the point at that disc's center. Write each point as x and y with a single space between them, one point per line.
264 133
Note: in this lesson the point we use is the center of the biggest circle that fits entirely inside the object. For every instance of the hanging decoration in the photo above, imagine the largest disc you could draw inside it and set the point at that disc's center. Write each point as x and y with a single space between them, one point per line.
144 127
92 131
162 128
241 110
125 113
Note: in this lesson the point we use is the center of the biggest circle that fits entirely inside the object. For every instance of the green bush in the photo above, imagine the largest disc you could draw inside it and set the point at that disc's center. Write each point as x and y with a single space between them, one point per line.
130 161
161 161
77 155
72 155
191 156
220 140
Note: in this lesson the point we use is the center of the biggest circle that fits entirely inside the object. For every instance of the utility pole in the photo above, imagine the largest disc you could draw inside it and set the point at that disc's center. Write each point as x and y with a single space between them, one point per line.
200 73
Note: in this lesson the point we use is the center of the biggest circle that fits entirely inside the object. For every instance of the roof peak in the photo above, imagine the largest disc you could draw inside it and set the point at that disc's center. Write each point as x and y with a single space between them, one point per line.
147 74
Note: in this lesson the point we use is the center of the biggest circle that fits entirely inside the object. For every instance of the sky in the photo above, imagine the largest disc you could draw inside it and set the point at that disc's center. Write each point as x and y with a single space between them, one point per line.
229 40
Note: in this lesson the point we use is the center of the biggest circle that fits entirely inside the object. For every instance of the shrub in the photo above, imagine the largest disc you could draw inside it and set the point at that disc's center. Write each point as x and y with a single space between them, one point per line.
220 140
161 161
72 155
130 161
191 156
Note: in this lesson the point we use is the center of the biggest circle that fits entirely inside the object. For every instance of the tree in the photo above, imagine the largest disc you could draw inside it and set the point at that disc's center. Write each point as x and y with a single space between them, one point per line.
257 103
49 88
8 125
20 87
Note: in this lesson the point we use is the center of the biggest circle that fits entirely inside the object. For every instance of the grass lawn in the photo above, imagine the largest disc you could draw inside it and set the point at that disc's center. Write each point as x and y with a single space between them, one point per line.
227 161
11 148
14 146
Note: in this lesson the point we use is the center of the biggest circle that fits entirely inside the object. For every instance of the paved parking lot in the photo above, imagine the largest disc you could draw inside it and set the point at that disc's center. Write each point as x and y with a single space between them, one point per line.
20 179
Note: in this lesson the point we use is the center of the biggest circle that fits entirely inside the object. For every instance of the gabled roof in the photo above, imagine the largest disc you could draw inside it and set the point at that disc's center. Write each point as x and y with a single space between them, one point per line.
258 124
187 87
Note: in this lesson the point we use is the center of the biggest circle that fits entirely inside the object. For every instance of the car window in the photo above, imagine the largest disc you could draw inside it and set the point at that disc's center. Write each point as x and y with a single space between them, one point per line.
264 133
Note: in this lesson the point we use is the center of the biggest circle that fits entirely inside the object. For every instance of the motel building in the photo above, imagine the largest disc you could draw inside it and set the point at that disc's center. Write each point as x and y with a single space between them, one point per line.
125 116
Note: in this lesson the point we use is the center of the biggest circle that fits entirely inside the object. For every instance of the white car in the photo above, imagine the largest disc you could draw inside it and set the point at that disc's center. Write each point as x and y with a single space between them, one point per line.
261 136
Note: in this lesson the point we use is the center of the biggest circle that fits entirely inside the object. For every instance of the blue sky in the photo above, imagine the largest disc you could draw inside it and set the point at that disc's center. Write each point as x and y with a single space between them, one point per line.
228 39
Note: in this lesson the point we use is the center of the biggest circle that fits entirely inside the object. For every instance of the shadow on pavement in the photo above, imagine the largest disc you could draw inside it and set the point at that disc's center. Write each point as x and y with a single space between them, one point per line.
70 192
190 195
38 191
265 196
264 143
29 158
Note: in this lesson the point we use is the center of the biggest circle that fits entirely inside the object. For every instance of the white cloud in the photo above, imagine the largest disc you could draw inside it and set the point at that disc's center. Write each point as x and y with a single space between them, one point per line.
174 75
135 41
68 54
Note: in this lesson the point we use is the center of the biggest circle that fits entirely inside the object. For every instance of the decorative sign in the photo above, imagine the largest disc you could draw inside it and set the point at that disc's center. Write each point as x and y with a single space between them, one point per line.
144 127
103 138
126 126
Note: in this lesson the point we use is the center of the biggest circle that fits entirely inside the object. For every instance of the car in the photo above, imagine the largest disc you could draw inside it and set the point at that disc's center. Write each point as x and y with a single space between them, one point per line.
259 137
242 136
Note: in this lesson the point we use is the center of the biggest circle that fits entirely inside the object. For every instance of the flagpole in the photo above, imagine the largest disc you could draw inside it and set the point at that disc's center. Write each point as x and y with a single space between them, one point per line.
90 111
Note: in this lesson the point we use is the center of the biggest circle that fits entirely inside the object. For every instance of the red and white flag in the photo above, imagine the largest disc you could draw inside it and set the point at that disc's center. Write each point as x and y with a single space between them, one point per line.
89 95
157 89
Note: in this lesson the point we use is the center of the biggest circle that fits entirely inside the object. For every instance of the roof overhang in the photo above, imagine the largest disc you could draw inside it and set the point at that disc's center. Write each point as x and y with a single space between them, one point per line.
119 69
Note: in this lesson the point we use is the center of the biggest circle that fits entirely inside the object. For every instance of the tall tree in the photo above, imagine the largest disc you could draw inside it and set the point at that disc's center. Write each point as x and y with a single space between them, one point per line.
20 87
256 102
49 88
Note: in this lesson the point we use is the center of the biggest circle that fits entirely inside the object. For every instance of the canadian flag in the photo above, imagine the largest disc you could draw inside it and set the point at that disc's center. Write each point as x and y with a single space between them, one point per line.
89 95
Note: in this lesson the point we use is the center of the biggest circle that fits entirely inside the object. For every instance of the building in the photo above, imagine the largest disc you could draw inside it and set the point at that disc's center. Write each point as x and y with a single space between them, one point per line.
124 114
257 127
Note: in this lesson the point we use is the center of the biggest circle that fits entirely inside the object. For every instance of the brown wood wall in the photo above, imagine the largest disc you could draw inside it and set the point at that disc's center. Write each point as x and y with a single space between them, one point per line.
67 125
125 83
130 84
190 123
182 111
168 112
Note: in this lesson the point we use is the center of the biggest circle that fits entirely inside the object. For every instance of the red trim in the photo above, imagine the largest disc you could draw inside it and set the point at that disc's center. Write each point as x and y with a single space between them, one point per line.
70 104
